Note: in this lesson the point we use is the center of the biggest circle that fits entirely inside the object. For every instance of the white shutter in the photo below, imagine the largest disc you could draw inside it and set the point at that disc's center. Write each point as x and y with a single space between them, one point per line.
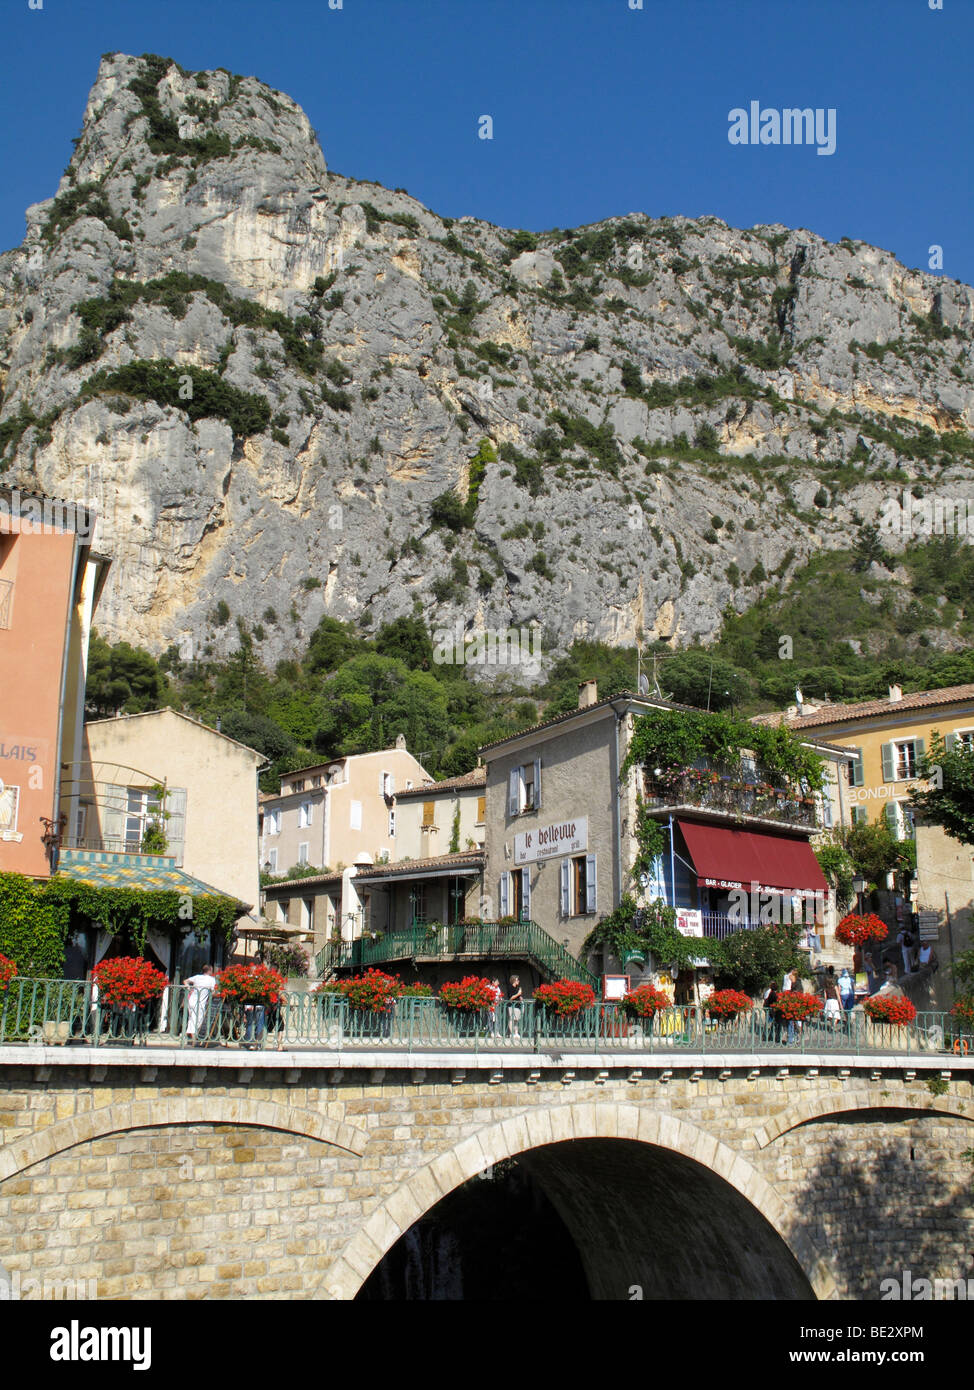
514 792
566 888
590 896
175 826
889 762
505 896
951 741
537 784
526 893
919 748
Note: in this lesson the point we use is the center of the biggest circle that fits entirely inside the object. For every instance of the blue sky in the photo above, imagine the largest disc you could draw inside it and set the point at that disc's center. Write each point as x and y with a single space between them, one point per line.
598 109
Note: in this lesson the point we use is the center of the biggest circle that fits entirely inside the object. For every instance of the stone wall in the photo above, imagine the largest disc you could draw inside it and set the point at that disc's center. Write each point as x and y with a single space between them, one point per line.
292 1181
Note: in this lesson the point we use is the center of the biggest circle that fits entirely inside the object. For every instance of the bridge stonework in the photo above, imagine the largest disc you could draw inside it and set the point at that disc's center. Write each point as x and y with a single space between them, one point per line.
290 1175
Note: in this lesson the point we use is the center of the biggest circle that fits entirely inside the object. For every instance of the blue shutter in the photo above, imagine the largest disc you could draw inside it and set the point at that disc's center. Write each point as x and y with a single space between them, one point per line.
537 784
889 767
892 819
855 768
566 888
525 894
951 741
514 792
919 748
590 895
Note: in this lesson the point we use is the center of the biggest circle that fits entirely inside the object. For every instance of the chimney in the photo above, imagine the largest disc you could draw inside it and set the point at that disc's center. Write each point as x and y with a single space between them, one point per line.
588 694
400 740
895 693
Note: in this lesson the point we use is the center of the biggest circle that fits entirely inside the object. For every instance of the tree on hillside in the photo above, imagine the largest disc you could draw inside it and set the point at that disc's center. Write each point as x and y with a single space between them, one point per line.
122 678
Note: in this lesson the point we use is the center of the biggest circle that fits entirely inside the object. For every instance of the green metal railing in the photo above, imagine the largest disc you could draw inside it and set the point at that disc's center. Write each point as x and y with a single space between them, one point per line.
483 940
65 1012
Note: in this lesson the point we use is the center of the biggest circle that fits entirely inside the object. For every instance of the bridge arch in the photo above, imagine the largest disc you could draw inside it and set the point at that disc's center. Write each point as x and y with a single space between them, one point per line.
686 1145
176 1110
827 1107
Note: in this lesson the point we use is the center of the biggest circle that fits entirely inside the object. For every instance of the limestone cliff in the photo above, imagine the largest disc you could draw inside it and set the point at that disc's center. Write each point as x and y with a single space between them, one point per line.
263 374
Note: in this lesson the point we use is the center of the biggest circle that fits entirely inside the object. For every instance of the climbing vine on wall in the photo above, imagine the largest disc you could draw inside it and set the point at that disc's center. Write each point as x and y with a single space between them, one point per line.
35 919
668 739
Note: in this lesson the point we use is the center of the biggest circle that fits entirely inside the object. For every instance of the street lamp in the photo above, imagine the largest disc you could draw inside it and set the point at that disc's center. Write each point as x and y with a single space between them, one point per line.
859 886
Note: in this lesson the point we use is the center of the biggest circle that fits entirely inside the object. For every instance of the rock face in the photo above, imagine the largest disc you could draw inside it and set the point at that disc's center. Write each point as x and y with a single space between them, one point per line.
263 374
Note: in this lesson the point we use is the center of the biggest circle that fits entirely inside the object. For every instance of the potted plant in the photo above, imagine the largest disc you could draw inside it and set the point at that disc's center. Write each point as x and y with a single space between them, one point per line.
8 972
895 1009
125 986
963 1015
856 928
644 1003
468 1002
565 999
253 990
794 1006
725 1004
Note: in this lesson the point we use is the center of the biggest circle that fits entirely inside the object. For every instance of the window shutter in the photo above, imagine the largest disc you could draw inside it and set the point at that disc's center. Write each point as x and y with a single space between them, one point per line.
919 748
892 820
504 896
566 899
855 768
514 792
481 809
859 815
537 784
889 762
590 883
525 894
429 812
951 741
175 826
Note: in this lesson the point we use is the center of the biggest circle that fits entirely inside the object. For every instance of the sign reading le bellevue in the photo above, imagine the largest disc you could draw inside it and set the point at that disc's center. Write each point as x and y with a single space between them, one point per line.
566 837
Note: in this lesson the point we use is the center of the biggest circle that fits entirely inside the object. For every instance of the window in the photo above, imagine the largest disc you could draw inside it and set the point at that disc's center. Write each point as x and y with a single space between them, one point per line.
960 740
429 815
272 822
524 790
303 853
386 784
80 816
142 809
515 894
9 803
408 784
355 815
284 908
305 814
823 806
298 786
854 768
418 902
272 861
860 816
900 759
392 825
481 809
316 781
899 818
578 885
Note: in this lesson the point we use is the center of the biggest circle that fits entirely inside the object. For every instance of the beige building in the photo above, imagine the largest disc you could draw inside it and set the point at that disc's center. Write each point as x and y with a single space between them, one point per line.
436 818
884 741
561 828
166 770
338 813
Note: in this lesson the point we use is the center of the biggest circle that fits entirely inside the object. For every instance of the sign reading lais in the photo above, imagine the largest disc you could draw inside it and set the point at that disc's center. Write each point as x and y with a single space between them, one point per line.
567 837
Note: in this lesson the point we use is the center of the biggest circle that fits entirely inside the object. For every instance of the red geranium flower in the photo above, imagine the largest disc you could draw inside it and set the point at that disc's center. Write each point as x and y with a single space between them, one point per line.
646 1001
251 984
856 928
473 992
128 980
565 998
890 1008
8 971
728 1003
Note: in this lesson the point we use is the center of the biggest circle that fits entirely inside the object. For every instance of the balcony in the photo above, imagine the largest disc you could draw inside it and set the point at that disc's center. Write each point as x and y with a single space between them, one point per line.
101 844
729 797
6 601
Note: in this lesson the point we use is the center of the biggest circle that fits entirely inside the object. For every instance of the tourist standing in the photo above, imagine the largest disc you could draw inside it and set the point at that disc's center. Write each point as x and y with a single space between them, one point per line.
515 1001
201 988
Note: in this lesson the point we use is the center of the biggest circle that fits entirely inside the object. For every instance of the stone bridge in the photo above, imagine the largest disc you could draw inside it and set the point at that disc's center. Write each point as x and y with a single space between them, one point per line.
300 1175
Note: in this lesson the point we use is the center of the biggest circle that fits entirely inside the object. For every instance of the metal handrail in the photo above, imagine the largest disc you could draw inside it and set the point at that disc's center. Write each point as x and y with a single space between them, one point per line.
69 1012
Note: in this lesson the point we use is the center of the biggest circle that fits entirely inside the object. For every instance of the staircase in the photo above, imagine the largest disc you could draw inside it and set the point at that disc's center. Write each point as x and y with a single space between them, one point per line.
464 942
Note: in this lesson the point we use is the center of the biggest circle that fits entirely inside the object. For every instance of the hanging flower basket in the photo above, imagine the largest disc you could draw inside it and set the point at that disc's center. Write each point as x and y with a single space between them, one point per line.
8 972
374 992
565 998
890 1008
251 984
728 1003
646 1001
963 1011
856 928
795 1007
128 981
472 993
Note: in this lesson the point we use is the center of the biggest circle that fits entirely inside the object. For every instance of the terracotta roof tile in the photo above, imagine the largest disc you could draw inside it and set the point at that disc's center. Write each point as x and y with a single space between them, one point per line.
865 709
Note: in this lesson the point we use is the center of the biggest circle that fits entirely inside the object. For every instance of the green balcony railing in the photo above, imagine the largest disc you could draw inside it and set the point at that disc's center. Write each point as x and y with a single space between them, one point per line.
68 1012
475 940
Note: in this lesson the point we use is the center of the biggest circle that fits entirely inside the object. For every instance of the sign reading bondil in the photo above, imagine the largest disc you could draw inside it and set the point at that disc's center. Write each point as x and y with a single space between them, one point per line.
564 837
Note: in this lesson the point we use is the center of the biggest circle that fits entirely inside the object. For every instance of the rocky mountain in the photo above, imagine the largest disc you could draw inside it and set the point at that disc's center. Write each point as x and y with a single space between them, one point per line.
291 393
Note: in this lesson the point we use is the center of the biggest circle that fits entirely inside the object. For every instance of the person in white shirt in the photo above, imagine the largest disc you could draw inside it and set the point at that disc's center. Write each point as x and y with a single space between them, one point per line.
201 988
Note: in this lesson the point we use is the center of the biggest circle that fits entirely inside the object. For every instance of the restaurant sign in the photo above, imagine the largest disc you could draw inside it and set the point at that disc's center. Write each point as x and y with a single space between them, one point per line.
689 921
565 837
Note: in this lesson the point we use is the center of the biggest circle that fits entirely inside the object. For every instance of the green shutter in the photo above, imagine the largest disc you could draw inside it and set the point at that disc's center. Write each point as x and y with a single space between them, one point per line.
889 765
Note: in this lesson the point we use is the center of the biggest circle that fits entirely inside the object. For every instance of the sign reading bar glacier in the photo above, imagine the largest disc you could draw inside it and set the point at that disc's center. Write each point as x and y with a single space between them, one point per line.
566 837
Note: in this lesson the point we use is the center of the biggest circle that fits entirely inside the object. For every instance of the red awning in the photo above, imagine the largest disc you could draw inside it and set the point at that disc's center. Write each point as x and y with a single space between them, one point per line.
725 858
